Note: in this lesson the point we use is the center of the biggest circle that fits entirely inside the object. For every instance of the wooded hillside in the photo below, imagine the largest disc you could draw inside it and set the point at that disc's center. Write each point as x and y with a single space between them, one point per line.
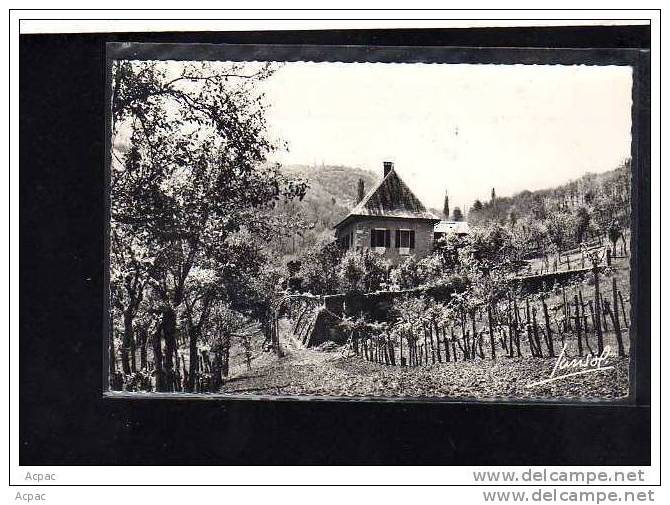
594 205
331 195
588 190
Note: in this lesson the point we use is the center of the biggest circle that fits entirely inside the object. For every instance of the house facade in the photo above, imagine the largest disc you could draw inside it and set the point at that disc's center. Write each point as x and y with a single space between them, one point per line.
389 220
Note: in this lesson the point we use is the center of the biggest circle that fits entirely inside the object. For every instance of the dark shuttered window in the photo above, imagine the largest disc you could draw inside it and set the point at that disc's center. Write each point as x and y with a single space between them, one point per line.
380 238
404 238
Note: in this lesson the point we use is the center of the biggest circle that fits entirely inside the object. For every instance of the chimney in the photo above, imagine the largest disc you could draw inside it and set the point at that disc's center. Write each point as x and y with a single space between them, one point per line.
388 166
361 190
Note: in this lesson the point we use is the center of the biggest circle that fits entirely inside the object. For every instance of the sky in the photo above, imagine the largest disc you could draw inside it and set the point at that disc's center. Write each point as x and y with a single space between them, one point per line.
463 129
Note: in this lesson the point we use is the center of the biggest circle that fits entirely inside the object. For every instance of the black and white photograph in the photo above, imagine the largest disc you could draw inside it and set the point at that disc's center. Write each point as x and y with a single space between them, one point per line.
370 230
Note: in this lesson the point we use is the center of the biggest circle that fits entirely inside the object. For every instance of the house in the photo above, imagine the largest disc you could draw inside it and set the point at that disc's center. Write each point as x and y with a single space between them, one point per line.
444 228
389 220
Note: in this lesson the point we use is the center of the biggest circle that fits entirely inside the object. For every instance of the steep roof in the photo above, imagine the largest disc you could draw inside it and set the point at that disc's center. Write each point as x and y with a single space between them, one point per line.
390 198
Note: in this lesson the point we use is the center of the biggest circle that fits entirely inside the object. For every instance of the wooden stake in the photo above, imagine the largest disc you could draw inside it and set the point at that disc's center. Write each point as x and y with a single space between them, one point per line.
536 334
597 323
603 319
491 332
547 323
623 309
578 327
617 328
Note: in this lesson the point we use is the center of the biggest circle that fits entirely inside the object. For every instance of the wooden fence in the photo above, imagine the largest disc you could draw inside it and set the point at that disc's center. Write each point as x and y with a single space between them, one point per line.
513 327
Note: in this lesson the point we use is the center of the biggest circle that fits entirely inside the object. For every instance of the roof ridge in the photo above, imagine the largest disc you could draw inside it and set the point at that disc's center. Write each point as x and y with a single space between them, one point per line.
394 200
365 199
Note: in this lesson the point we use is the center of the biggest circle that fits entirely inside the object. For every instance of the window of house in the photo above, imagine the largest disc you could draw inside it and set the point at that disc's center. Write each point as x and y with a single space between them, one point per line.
404 240
380 238
346 241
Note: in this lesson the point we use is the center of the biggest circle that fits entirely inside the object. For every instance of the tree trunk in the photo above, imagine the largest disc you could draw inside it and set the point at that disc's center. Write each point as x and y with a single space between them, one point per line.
599 341
391 351
178 383
466 337
144 337
158 359
508 317
529 331
169 334
133 352
127 338
226 356
217 379
447 354
437 340
586 323
112 364
453 345
193 356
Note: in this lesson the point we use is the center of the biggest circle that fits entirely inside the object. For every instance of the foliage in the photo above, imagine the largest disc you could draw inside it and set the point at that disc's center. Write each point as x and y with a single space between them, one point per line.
406 275
561 217
361 327
320 266
491 243
191 194
362 271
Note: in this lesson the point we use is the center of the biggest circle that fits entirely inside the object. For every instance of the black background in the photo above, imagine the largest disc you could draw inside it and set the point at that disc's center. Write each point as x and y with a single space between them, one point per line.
65 421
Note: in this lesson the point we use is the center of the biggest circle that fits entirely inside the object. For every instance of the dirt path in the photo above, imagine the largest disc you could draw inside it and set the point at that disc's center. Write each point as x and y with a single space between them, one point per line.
298 365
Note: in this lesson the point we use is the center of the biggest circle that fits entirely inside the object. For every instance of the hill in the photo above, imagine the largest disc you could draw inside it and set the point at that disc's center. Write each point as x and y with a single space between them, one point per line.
332 193
613 185
595 205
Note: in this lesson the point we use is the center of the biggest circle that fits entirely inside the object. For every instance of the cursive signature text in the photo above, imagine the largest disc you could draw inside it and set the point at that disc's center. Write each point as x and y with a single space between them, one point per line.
570 367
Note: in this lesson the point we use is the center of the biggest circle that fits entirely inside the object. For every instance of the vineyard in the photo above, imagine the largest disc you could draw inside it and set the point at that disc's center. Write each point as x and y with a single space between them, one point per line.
585 318
538 325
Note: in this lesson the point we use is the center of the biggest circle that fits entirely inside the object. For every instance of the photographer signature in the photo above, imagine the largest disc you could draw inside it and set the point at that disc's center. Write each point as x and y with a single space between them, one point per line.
571 367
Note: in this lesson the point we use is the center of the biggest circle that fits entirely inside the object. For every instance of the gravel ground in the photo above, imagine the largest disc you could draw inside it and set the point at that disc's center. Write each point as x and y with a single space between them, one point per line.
331 373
